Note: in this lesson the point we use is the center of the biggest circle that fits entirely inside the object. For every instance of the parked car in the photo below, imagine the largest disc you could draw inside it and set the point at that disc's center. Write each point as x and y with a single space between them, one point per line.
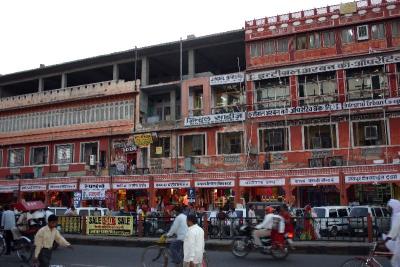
379 215
59 211
332 220
90 211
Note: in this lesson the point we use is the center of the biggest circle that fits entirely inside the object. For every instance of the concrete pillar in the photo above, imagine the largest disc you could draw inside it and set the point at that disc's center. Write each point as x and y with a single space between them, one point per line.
63 80
191 63
115 72
41 85
145 71
172 97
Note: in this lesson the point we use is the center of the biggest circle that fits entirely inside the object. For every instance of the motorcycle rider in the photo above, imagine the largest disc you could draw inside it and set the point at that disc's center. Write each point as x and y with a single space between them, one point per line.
265 227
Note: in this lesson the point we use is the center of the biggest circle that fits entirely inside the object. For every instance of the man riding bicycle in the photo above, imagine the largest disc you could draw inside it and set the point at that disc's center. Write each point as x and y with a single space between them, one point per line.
178 228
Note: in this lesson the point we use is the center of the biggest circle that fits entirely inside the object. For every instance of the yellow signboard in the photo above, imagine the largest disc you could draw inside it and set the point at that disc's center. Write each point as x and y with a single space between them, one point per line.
143 140
70 224
348 8
109 225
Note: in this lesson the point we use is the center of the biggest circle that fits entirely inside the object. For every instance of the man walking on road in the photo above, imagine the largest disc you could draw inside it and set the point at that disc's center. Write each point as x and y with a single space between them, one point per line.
44 240
178 228
8 223
193 246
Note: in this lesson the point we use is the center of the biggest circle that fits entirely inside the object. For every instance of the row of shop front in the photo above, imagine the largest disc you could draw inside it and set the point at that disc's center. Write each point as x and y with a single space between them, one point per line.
130 191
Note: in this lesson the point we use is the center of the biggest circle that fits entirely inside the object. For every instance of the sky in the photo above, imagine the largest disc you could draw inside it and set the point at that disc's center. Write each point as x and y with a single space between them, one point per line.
56 31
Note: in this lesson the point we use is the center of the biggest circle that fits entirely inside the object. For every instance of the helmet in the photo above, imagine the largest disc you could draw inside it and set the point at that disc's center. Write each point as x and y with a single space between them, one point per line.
269 209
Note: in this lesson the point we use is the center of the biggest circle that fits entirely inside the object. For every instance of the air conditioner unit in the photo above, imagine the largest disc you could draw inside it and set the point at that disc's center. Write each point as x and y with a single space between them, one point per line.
362 32
371 132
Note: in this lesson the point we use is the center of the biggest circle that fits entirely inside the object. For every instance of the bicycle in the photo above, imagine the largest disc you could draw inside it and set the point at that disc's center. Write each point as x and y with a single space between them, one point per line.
159 255
368 261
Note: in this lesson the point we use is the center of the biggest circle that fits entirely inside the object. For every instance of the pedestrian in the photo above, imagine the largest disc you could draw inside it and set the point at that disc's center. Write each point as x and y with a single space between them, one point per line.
44 240
179 228
252 215
392 240
47 213
71 211
7 224
193 245
308 228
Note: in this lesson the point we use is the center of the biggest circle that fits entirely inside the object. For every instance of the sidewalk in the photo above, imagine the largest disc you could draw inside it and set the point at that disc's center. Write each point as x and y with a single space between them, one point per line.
312 247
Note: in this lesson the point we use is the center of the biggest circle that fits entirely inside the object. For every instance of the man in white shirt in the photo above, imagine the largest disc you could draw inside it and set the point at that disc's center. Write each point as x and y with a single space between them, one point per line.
193 246
252 215
8 223
392 240
178 228
264 228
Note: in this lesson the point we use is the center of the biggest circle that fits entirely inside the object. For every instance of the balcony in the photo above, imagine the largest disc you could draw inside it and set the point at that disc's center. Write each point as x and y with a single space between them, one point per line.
67 94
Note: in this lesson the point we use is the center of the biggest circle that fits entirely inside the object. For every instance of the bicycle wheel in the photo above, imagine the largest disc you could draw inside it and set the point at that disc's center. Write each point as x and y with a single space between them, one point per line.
154 256
356 262
25 250
2 245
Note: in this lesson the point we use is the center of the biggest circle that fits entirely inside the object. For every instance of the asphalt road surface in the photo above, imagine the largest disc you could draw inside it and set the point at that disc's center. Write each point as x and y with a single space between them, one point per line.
101 256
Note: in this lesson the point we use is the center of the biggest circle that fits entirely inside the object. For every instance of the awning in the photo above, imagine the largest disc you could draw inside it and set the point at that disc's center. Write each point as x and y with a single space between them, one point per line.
30 205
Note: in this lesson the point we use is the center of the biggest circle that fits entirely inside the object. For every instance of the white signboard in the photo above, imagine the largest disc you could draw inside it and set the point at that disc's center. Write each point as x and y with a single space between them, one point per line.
309 69
98 194
87 186
315 180
294 110
372 103
215 118
8 188
33 187
262 182
215 184
372 178
227 78
169 185
130 185
62 187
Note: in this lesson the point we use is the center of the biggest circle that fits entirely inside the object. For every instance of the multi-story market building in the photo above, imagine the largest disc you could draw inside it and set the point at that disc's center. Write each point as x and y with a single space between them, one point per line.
301 107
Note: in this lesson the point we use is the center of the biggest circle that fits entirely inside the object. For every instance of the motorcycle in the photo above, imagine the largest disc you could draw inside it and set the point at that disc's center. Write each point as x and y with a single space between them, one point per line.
21 244
243 245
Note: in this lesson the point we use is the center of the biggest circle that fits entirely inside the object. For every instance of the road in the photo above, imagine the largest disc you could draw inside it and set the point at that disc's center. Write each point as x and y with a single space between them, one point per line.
101 256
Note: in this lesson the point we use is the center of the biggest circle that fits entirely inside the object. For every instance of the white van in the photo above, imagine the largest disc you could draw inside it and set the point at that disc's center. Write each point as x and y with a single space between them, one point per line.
58 211
90 211
332 219
380 219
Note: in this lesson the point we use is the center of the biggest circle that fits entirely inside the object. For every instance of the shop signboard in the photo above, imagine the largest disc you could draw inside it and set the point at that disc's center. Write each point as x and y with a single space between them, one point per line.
87 186
215 184
262 182
62 187
143 140
77 199
314 181
70 224
109 225
97 194
371 103
294 110
33 188
169 185
129 186
227 78
215 118
8 188
372 178
192 195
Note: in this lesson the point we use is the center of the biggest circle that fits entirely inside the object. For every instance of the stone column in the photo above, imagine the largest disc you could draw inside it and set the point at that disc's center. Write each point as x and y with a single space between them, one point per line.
191 64
63 80
172 97
115 72
41 85
145 71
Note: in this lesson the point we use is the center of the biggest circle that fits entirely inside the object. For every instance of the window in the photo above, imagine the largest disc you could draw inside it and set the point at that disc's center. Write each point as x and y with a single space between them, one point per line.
347 36
328 39
274 139
320 136
377 31
343 213
317 88
282 45
192 145
273 93
196 100
314 40
161 147
16 157
378 212
255 49
396 28
333 213
64 154
269 47
227 98
159 108
301 42
366 83
89 153
39 155
369 133
230 143
362 32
